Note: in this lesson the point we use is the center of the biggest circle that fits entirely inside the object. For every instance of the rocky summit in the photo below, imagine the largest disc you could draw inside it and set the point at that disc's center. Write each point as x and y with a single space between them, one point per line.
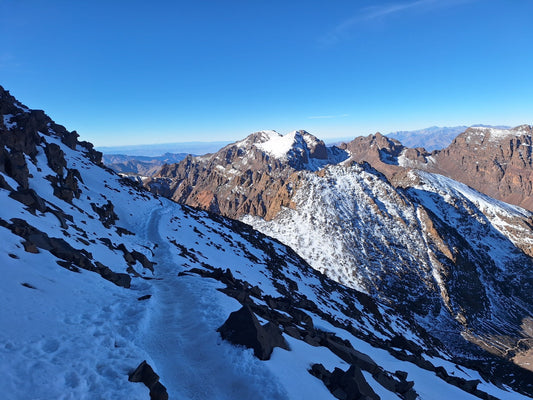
111 291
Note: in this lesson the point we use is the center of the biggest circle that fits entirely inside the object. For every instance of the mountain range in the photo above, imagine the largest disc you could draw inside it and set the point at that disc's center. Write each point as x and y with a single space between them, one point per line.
369 215
434 137
112 291
140 165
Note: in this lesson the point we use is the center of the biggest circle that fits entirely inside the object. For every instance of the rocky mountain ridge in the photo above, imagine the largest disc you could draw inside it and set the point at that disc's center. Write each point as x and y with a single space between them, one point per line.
142 166
434 137
111 292
254 176
494 161
415 239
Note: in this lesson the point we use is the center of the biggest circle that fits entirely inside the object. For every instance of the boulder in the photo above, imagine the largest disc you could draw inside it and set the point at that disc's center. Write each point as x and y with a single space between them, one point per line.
243 328
119 279
351 385
145 374
29 198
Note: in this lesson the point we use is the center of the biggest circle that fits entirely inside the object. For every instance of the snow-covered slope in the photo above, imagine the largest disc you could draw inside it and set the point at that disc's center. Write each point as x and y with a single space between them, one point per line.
440 249
99 275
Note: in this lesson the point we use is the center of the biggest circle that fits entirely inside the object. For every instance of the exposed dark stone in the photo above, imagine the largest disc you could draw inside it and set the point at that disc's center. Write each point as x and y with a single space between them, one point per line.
344 350
243 328
403 343
4 184
119 279
404 386
134 256
92 154
70 257
29 286
145 374
29 198
106 213
385 380
312 340
15 167
66 188
352 384
145 297
56 158
145 262
30 247
70 139
123 231
402 375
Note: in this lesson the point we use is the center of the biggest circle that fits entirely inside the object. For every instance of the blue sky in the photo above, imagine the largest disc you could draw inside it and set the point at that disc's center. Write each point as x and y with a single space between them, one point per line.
132 72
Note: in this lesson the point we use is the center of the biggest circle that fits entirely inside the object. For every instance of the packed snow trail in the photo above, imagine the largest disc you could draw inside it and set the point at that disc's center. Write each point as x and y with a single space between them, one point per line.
179 334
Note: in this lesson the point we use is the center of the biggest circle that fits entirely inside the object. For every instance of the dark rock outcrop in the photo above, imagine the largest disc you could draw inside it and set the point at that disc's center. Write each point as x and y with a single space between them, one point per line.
106 213
145 374
243 328
345 385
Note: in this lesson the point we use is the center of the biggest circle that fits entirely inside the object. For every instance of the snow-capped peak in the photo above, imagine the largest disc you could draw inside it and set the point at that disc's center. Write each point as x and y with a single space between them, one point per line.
278 145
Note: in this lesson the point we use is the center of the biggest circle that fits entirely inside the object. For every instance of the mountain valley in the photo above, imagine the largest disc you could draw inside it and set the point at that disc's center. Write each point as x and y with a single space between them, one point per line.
370 285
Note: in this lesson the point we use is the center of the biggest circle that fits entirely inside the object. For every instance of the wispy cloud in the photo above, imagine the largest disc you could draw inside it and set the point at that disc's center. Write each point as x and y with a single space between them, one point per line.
372 13
327 116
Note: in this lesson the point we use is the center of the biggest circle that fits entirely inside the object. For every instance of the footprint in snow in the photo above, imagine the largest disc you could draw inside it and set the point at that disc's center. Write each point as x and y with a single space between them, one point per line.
50 346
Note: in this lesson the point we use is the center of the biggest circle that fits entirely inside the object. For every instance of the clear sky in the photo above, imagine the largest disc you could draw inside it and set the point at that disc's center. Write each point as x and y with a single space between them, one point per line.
132 72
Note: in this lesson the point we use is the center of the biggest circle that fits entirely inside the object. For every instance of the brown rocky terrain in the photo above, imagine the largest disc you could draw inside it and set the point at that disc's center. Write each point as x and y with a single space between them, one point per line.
496 162
242 178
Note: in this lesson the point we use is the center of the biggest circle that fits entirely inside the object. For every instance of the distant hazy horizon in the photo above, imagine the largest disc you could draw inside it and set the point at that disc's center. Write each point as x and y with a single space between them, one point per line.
204 147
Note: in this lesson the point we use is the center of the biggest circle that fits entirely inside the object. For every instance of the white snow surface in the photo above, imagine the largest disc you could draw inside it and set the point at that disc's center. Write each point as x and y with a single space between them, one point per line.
278 145
7 121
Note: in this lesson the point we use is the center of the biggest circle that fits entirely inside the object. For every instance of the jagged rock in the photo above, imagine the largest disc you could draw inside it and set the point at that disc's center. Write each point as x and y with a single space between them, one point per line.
56 158
29 198
70 139
134 256
243 328
123 231
36 239
145 262
402 375
404 343
15 167
385 380
94 155
345 351
105 213
66 188
145 374
4 184
119 279
349 385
